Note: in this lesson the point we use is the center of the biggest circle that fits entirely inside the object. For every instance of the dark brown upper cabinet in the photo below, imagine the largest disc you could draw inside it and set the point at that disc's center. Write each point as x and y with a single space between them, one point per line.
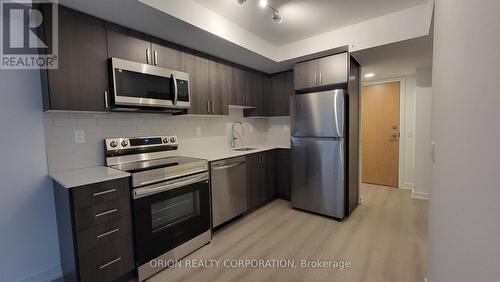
281 90
237 90
129 45
199 83
166 55
220 85
82 78
321 72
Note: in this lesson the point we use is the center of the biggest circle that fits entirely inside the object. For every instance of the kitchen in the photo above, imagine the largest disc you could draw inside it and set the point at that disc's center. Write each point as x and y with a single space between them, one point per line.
171 157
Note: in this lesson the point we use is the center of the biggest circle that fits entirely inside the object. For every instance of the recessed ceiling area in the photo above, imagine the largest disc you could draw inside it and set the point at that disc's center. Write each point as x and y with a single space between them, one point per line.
303 18
395 60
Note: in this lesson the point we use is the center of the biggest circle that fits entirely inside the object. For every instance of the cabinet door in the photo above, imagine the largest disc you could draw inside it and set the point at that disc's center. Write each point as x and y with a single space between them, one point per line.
305 74
237 90
269 177
255 183
333 69
253 88
199 85
82 78
220 84
265 105
128 45
281 90
282 173
166 55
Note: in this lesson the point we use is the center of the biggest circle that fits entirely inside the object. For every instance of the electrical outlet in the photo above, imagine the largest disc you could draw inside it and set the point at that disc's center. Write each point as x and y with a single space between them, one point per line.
198 131
79 136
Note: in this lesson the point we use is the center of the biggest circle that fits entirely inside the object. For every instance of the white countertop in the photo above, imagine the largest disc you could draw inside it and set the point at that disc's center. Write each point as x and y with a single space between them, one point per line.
85 176
220 154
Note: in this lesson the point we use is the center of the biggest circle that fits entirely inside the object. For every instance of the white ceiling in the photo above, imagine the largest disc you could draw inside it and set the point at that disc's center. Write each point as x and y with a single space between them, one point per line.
395 60
191 24
303 18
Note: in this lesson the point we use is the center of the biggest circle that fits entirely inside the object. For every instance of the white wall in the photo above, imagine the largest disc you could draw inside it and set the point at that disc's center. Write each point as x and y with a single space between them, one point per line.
464 230
29 248
423 139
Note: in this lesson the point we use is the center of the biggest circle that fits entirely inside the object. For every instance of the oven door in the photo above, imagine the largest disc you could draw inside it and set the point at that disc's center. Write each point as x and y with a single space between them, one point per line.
168 214
143 85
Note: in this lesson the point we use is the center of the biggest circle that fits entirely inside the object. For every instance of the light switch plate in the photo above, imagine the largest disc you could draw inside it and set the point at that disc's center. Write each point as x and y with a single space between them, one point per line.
198 131
79 136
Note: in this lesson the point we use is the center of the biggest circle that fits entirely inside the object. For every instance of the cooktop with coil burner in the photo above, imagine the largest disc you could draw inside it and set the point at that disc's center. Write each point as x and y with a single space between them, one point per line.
150 159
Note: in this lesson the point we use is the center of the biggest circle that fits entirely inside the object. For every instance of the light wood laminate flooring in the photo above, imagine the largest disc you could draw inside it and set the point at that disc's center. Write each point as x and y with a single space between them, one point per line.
385 239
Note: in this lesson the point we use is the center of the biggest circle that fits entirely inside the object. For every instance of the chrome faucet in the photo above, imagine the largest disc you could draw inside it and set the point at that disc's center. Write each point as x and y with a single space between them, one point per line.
233 136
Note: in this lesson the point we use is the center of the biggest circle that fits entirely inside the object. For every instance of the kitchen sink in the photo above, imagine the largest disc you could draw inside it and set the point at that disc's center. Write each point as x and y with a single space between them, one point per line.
244 149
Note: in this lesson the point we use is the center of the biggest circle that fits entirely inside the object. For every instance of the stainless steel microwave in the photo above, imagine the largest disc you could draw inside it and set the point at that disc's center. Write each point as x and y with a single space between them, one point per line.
139 86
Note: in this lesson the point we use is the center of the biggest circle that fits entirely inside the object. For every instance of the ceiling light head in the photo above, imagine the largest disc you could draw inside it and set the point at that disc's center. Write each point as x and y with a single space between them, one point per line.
368 75
277 17
263 4
241 2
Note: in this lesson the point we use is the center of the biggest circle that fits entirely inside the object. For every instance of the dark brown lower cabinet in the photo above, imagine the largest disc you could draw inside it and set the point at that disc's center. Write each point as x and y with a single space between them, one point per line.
282 173
260 179
95 231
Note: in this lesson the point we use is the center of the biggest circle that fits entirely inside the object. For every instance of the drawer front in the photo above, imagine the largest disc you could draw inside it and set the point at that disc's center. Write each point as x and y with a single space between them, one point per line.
97 193
104 233
105 212
108 262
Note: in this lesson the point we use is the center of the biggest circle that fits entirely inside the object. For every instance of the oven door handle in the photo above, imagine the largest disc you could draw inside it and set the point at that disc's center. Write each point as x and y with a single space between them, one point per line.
174 184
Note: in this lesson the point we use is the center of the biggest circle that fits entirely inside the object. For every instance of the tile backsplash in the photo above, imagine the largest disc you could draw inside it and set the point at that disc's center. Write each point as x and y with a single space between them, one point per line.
195 133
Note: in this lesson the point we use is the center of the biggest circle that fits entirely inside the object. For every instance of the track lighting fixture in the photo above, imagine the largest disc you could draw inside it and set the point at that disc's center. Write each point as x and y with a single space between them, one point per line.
262 4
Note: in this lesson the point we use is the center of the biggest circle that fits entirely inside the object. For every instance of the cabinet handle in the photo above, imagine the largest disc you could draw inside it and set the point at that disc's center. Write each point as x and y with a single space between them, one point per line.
213 107
315 79
155 57
107 233
208 106
106 102
148 56
103 192
105 213
110 263
320 78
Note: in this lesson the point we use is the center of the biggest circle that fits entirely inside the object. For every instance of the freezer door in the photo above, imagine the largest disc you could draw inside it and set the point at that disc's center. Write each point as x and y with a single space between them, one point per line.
318 114
318 176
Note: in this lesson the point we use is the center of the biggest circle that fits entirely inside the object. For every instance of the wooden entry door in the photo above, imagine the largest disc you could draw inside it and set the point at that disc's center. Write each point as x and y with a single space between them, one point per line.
380 129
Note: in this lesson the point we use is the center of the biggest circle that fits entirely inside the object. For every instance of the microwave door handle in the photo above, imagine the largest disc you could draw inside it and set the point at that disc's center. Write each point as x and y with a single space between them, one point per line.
176 93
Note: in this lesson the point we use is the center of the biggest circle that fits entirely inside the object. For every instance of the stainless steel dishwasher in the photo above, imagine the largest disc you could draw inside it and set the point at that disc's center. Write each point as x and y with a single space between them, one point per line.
229 189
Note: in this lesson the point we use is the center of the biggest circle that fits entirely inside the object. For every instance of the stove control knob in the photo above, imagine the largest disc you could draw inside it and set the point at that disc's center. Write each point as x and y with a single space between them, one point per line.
113 144
124 143
172 139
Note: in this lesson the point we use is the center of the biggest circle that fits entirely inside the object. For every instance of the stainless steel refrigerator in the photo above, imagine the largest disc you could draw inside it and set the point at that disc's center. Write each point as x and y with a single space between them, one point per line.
318 152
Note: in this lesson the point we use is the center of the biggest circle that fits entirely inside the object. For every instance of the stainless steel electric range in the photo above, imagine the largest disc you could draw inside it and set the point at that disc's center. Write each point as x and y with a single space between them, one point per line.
170 198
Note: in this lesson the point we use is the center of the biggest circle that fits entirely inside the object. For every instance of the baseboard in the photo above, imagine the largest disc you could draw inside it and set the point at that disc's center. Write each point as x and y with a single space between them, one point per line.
45 275
419 195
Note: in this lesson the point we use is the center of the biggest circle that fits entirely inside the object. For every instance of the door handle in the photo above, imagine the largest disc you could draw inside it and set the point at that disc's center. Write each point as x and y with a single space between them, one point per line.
208 106
148 56
176 91
320 78
106 102
227 166
103 192
155 57
105 213
315 79
213 107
